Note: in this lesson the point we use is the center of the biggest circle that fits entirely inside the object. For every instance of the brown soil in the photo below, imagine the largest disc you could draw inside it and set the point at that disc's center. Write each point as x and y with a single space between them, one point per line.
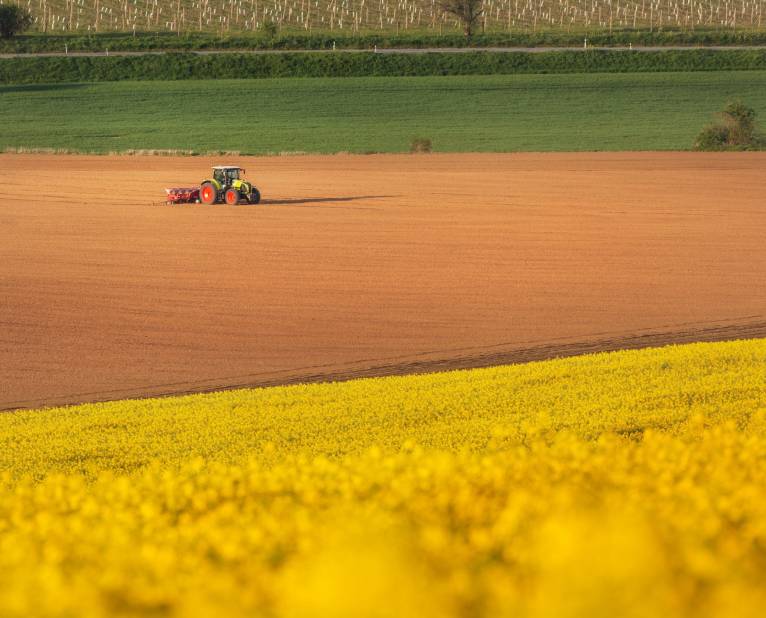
365 265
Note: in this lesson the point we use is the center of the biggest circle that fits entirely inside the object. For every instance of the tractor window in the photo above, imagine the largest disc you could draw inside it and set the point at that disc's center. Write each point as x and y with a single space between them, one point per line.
233 174
218 175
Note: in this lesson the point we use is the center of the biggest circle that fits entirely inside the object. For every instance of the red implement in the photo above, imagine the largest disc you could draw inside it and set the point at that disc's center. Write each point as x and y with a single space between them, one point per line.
181 195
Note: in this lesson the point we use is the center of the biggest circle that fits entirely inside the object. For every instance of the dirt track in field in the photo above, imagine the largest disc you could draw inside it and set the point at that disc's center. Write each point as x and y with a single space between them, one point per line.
366 265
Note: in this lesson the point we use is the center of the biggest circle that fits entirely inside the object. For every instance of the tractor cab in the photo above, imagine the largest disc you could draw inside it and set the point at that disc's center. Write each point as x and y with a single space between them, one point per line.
225 175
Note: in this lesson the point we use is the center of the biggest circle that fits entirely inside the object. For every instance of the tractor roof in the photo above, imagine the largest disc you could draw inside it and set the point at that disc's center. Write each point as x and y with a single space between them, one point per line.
227 167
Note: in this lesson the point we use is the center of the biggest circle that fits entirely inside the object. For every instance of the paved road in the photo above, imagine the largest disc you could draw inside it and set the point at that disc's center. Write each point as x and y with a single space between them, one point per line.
406 50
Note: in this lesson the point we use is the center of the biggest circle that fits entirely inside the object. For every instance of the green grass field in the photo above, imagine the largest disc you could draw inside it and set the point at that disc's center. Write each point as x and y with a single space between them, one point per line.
657 111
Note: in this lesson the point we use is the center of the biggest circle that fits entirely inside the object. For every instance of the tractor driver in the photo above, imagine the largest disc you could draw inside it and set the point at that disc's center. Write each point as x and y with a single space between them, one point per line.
219 176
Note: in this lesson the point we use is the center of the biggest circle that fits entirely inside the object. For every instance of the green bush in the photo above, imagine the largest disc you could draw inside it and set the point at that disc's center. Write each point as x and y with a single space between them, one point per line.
172 66
13 20
420 145
269 29
735 129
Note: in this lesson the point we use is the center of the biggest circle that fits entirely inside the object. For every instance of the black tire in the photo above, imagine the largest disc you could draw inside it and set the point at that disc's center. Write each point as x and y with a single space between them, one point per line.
255 196
208 193
232 197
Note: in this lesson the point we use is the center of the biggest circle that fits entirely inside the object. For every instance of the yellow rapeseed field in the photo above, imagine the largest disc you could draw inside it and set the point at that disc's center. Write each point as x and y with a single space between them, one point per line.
619 485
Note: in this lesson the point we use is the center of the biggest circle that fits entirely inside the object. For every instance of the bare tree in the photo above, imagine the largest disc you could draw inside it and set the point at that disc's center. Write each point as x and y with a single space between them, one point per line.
467 11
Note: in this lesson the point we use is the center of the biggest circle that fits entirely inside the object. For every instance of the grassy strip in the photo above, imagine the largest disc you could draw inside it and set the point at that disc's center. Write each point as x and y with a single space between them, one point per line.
598 111
297 40
234 66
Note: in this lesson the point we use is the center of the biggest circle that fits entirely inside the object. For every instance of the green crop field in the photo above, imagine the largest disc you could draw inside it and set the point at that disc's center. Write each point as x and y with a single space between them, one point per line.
662 111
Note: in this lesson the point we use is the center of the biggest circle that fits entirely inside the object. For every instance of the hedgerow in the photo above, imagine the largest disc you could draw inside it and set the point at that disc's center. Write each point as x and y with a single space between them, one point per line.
175 66
122 41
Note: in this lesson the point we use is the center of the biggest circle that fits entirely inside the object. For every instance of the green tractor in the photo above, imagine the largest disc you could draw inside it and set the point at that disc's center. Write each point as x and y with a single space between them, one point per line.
227 186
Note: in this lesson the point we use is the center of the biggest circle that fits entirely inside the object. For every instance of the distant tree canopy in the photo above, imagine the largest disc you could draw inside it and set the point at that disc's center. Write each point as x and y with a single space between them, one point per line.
467 11
13 19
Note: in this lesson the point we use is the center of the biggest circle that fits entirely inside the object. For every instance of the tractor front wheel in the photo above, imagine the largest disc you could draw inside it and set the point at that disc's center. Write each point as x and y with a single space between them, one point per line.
208 193
255 196
232 197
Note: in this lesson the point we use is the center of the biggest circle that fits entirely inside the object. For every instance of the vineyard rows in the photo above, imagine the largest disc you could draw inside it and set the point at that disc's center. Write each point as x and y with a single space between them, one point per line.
386 15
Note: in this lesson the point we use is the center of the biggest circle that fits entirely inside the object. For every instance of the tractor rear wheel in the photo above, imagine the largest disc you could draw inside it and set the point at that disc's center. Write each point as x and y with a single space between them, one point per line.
208 193
232 197
255 196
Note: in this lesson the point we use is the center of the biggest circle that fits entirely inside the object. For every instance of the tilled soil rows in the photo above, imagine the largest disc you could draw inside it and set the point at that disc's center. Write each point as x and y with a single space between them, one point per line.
364 265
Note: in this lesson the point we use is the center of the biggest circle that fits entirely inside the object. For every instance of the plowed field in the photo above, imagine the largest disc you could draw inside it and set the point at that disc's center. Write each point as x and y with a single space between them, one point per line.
365 265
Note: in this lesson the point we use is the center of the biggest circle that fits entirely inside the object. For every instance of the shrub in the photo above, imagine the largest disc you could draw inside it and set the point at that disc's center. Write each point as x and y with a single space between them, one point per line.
420 144
269 29
712 137
13 19
42 70
735 129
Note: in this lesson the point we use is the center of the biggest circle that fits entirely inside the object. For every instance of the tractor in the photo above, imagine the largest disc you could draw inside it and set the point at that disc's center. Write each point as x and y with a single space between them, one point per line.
227 186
